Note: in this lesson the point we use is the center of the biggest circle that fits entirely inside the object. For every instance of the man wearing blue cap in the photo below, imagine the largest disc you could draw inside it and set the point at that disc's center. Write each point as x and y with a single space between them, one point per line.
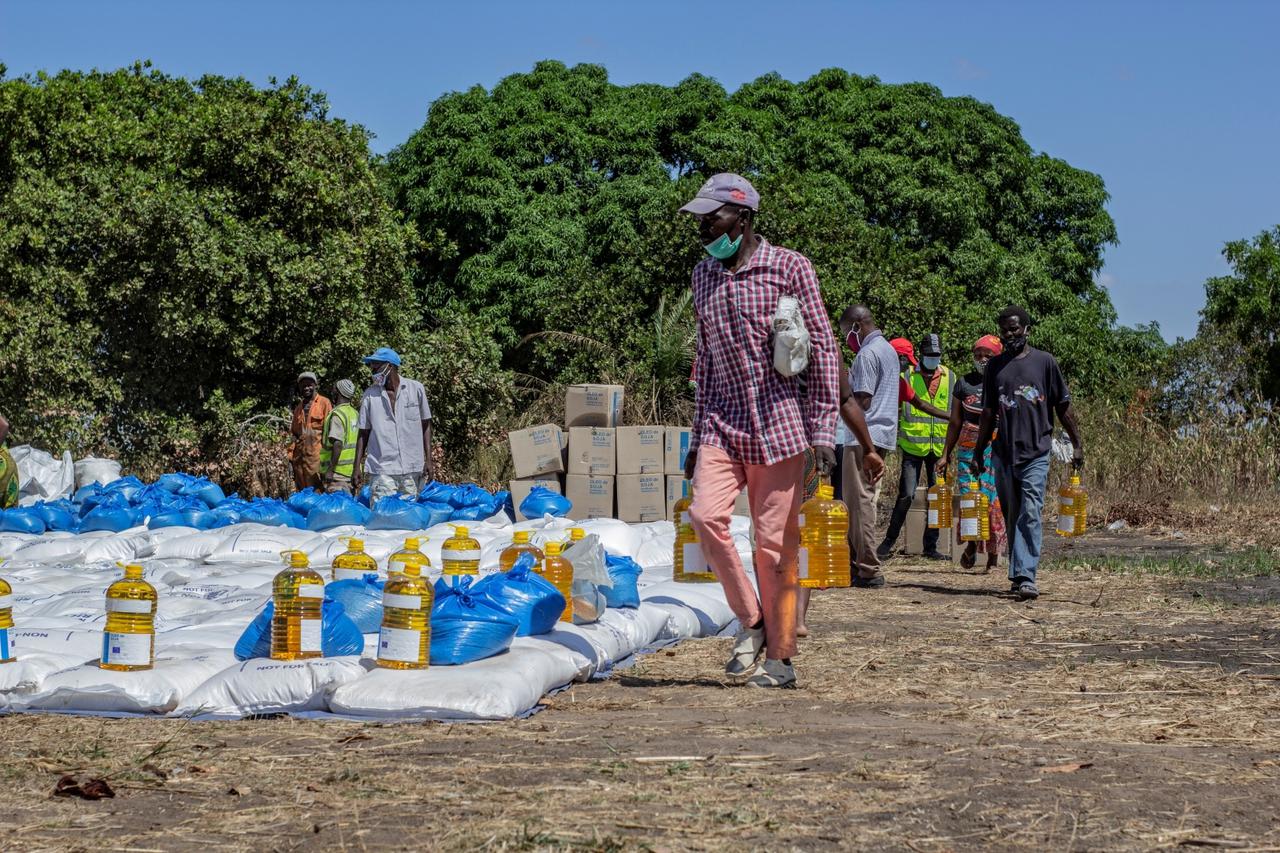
394 444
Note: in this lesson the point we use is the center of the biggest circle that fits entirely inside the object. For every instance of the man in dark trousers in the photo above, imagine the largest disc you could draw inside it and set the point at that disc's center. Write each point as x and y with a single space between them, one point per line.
1022 391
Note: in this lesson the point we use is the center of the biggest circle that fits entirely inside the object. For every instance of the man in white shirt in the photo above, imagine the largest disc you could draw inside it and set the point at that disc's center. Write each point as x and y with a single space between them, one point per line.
394 444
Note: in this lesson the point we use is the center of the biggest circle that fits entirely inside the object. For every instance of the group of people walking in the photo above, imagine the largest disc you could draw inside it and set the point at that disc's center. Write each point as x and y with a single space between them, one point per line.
754 426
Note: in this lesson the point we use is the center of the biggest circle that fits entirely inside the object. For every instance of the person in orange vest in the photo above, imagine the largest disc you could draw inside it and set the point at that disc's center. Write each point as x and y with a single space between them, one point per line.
308 421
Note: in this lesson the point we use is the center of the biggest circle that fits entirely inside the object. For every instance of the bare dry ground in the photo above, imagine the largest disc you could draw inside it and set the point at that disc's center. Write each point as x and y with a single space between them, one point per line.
1130 709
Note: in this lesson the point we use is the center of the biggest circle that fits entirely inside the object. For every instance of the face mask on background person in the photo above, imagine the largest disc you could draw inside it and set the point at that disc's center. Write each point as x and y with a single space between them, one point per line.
1014 343
722 247
853 340
930 362
980 363
380 378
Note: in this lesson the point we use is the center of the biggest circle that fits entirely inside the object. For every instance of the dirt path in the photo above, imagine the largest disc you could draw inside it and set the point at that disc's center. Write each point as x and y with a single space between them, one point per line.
1118 712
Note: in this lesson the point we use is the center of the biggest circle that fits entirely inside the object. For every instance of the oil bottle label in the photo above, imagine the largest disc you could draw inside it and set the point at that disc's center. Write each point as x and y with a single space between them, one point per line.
309 635
969 527
693 559
403 602
1067 523
6 645
803 560
6 601
311 590
467 556
400 644
933 518
128 605
352 574
126 649
966 503
1065 501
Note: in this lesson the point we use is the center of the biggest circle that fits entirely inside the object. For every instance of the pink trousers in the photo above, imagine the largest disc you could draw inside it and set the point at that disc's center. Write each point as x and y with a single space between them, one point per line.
774 492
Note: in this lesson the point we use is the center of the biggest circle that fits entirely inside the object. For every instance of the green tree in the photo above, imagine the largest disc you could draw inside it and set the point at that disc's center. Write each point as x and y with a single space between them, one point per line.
551 204
173 251
1244 307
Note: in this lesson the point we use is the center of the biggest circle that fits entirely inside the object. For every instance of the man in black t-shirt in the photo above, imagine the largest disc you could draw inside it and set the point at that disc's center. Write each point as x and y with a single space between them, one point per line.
1022 391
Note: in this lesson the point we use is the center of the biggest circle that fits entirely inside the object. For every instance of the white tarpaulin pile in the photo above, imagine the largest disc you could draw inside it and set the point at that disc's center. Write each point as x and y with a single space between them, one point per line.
212 583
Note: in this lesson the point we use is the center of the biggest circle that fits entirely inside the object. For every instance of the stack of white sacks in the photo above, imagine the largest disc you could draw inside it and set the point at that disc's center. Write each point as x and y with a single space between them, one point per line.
212 583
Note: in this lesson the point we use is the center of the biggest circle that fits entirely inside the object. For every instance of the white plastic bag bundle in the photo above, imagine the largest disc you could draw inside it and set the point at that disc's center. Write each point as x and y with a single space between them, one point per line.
41 477
791 344
265 686
259 544
91 469
154 691
589 575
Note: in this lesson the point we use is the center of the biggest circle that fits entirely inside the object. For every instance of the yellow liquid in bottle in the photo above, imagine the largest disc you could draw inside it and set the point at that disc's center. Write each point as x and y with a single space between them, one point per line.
824 541
975 515
409 555
559 572
129 638
938 502
297 594
688 564
353 562
519 545
460 555
405 640
1073 508
6 622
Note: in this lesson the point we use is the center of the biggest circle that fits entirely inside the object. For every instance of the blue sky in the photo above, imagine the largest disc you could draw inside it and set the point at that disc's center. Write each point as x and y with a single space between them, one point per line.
1175 104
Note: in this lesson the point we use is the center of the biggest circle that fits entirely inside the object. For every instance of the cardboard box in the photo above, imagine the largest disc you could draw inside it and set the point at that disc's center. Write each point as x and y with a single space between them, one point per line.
675 449
593 406
520 489
537 450
642 497
641 450
913 534
592 451
677 488
592 497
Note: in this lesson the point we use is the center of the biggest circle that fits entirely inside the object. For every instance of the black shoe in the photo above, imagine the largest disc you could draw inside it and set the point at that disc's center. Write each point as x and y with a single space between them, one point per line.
885 550
936 555
869 583
1027 591
1016 584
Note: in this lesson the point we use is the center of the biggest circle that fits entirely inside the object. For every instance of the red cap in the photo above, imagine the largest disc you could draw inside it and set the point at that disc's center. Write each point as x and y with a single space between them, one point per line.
990 343
904 347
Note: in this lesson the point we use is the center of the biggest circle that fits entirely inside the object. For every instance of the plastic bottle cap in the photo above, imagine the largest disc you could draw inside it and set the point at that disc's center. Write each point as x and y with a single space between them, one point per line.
133 570
297 560
553 548
460 531
411 543
576 534
355 544
826 492
520 537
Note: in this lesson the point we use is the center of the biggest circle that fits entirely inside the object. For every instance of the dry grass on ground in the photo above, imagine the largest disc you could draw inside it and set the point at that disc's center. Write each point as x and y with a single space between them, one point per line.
1123 710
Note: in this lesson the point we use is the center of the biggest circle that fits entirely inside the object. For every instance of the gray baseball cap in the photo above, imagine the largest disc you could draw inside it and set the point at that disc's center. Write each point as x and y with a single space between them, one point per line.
307 374
724 188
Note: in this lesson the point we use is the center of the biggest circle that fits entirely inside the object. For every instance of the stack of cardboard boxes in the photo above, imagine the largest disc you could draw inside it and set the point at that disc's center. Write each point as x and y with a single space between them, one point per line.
634 473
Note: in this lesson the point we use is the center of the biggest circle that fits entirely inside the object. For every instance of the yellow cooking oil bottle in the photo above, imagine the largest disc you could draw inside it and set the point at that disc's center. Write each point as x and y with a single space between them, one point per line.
460 555
975 514
1073 507
410 555
689 564
824 540
405 639
6 622
519 545
129 638
938 503
559 572
354 562
297 595
576 534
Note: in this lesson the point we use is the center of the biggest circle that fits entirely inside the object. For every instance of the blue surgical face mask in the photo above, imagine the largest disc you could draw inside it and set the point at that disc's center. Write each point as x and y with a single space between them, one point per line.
380 378
931 362
722 247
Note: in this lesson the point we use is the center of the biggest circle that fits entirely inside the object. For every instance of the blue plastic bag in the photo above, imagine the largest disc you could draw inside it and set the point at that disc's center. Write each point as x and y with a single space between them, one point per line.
542 501
396 513
302 502
338 634
333 510
534 602
470 513
21 520
208 492
466 628
467 495
200 519
361 598
440 513
107 516
57 515
126 487
437 493
363 496
173 482
272 512
624 572
85 492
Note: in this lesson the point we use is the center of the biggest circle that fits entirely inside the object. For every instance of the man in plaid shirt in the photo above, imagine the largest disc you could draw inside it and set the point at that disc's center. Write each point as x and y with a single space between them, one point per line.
753 425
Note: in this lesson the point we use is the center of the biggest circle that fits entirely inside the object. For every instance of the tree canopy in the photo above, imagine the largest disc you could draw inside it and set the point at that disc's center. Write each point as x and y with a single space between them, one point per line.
550 203
1244 308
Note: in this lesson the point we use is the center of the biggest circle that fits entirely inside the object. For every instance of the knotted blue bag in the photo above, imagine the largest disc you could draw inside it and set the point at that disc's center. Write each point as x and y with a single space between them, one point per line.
534 602
361 598
624 572
466 628
542 501
334 510
396 513
338 634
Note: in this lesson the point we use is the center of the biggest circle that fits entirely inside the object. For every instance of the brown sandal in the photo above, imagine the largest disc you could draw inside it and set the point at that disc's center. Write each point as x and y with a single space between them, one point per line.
968 558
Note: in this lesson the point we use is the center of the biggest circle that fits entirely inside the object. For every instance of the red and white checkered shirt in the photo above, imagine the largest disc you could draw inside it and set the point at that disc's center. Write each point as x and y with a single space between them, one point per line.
744 406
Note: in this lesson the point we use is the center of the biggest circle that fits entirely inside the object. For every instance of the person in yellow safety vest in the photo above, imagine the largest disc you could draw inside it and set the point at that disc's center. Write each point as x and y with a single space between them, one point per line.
338 455
922 436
